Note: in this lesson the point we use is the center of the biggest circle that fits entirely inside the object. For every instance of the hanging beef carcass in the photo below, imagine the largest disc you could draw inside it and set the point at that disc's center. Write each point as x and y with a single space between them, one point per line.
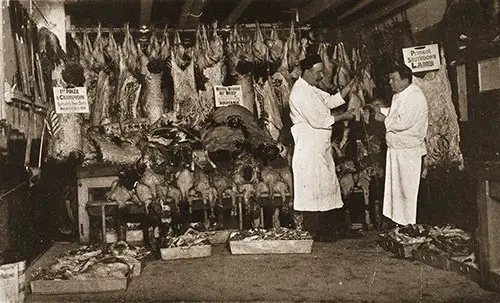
326 82
240 68
69 138
89 74
293 49
266 95
127 97
152 100
214 74
186 98
130 50
100 108
443 134
112 49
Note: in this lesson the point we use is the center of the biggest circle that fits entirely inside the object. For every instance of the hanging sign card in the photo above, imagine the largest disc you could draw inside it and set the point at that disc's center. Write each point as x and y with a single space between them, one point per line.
422 58
228 95
71 100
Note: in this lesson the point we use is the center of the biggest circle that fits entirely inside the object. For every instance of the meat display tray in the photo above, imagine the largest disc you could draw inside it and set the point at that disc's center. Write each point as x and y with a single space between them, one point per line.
257 247
187 252
435 260
51 287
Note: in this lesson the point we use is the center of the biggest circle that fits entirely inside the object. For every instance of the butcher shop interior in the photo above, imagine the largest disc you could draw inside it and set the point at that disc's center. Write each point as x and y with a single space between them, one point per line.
250 150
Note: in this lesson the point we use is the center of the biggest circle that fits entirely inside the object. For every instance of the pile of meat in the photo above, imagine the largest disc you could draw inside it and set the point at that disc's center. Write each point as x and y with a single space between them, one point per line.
270 235
90 262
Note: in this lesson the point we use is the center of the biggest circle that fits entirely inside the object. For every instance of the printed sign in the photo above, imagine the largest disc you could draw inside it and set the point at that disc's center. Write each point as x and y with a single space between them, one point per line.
422 58
71 100
228 95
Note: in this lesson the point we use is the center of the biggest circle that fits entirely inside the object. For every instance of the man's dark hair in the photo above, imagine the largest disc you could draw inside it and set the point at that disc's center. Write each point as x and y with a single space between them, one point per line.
403 70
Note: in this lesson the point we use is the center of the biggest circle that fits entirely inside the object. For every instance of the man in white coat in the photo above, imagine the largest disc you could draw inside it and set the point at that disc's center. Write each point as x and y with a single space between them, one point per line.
316 187
406 124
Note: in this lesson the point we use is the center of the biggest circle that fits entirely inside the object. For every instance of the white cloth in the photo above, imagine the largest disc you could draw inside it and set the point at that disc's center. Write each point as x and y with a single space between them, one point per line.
406 128
316 187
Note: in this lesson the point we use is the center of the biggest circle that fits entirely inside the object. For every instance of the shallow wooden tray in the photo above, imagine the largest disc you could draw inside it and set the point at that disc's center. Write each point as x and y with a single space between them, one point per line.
188 252
51 287
271 247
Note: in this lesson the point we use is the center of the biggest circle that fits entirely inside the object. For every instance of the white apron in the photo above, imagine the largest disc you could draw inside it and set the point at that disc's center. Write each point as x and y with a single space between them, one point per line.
402 180
315 184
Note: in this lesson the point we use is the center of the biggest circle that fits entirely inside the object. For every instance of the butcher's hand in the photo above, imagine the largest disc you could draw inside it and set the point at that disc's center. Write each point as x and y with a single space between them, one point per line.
348 115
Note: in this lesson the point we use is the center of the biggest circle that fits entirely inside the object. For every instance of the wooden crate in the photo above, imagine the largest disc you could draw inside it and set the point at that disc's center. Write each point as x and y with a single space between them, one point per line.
51 287
435 260
258 247
188 252
218 236
469 270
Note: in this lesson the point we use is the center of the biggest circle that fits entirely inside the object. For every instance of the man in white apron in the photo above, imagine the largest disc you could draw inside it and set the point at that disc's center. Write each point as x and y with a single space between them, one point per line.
406 124
316 187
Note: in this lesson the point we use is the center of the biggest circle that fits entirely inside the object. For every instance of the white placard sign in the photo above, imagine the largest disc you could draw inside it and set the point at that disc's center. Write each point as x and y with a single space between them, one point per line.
71 100
422 58
228 95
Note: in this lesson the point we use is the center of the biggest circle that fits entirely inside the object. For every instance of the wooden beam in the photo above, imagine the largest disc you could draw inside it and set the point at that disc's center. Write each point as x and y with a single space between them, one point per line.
146 7
316 7
355 9
237 12
384 11
191 13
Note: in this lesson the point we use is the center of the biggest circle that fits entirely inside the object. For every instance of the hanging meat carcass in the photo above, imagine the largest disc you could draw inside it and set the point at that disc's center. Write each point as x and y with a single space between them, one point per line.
240 69
100 108
69 138
214 75
186 98
326 83
293 53
215 50
130 50
282 82
152 100
89 74
128 90
443 134
275 46
112 49
268 105
98 50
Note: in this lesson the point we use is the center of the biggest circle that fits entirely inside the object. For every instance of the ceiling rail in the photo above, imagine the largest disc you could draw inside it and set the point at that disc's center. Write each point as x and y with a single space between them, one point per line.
265 26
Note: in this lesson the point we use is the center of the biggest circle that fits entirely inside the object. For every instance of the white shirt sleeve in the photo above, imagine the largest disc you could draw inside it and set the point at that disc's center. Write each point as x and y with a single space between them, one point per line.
385 111
332 101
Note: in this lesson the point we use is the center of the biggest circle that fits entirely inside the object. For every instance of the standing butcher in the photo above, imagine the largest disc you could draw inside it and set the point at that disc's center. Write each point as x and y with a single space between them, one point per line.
406 124
316 187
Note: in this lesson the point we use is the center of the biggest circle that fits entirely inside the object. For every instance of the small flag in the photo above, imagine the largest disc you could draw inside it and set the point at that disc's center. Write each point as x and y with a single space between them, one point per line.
52 122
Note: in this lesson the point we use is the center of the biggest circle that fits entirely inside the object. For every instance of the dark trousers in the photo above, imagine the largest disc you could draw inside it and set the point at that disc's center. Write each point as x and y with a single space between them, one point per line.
323 225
